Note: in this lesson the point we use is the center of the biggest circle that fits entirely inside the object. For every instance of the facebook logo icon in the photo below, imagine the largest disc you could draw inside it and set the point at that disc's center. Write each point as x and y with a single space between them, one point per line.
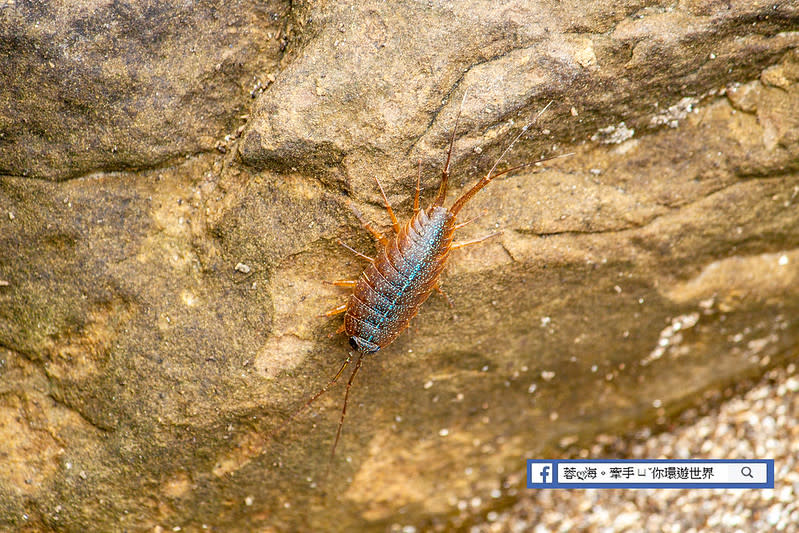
540 473
650 473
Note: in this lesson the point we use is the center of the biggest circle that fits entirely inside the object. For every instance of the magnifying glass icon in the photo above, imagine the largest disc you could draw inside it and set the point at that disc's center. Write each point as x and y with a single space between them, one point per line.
746 471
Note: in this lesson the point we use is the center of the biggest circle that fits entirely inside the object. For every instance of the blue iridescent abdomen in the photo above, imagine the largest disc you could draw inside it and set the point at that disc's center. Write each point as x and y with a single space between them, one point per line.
392 288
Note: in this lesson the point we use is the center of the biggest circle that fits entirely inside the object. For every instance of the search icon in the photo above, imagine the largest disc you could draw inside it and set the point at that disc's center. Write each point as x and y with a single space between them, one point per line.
747 472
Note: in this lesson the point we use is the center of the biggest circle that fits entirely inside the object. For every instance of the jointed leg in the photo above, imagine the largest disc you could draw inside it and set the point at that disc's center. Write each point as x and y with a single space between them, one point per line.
464 224
349 283
394 221
356 252
337 311
440 291
457 245
340 329
379 237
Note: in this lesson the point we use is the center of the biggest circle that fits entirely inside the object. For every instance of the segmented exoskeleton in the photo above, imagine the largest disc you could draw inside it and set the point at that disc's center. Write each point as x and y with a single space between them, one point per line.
406 270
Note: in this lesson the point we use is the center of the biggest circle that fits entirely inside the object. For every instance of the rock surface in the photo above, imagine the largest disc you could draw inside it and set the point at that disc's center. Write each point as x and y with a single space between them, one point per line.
92 86
162 266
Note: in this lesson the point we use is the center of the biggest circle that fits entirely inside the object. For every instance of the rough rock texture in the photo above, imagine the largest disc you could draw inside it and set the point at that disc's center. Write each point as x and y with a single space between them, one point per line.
158 325
91 86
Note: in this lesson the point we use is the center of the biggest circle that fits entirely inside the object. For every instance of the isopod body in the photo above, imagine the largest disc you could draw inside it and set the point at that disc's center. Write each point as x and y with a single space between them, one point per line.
391 289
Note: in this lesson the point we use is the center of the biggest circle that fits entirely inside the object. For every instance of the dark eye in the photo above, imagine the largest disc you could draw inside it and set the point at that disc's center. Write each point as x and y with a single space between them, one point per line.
354 344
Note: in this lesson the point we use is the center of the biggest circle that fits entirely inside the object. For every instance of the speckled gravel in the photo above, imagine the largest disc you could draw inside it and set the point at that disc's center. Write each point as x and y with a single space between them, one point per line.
762 423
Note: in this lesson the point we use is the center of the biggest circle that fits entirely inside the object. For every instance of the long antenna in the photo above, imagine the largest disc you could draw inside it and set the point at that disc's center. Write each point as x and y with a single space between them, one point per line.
490 176
442 190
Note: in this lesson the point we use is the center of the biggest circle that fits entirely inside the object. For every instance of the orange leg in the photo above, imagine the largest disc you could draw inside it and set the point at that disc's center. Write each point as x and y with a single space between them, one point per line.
379 237
349 283
394 221
440 291
463 224
337 311
339 330
356 252
457 245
